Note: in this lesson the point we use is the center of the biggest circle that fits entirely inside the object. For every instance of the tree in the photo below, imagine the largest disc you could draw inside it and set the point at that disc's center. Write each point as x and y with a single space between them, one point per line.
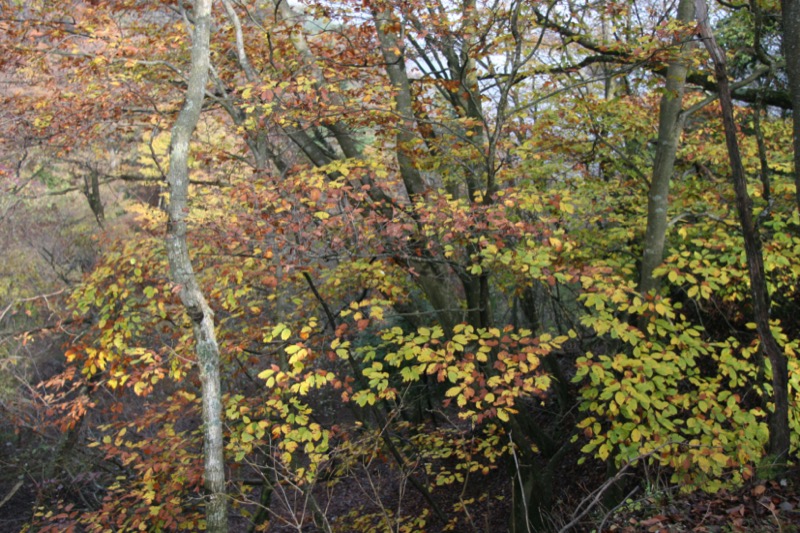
208 357
669 131
791 53
408 226
780 440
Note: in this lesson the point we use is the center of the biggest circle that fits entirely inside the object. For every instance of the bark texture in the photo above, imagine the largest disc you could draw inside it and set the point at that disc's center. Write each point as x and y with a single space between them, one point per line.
791 51
779 436
183 275
669 131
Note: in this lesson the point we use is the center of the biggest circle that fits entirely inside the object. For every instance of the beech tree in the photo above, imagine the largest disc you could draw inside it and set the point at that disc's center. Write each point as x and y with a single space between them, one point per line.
779 425
669 130
426 253
791 52
182 273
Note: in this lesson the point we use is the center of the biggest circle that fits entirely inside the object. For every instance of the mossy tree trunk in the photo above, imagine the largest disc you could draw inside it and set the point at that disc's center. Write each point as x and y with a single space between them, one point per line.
669 132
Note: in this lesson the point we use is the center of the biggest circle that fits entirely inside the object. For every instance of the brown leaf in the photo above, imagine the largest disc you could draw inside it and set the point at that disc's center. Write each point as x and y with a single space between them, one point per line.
739 509
653 521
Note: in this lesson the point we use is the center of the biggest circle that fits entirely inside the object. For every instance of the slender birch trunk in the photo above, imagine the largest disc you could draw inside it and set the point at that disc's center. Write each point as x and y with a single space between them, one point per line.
183 275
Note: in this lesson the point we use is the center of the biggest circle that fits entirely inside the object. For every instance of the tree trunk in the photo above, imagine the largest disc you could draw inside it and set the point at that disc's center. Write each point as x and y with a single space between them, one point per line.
779 436
669 132
791 52
91 189
183 275
434 278
347 142
391 46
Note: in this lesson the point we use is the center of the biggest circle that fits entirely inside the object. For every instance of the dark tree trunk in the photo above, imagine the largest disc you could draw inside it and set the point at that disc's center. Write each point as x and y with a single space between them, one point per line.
791 52
779 436
91 189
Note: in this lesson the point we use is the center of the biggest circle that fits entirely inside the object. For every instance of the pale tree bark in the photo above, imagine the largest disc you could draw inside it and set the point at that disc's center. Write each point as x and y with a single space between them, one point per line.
183 275
791 51
779 435
670 126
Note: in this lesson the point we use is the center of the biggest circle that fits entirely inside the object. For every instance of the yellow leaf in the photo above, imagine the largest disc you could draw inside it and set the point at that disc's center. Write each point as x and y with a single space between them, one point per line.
720 458
603 452
619 397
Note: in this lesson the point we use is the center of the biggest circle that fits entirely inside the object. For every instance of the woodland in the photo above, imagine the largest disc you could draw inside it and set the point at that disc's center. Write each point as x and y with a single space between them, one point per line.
399 265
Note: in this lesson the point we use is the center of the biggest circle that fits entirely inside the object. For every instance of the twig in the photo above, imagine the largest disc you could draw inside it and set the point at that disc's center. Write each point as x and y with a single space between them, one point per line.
11 493
521 484
322 302
591 501
32 298
595 499
620 504
770 508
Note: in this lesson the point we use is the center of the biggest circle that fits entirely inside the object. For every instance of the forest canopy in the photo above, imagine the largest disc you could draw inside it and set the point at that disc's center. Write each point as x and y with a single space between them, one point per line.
395 265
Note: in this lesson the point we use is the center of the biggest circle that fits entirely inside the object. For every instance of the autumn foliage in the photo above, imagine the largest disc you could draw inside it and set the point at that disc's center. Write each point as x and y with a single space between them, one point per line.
420 229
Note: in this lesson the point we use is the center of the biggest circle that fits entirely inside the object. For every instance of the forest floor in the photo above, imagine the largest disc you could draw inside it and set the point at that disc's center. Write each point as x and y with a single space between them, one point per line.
758 506
652 506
